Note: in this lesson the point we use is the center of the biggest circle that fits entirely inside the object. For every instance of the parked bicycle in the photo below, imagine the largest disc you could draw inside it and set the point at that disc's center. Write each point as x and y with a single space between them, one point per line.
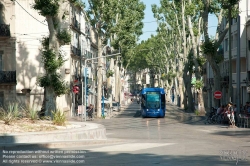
211 116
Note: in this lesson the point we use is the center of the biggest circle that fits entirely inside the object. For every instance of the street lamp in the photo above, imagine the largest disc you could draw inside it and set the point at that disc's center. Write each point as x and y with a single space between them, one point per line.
85 81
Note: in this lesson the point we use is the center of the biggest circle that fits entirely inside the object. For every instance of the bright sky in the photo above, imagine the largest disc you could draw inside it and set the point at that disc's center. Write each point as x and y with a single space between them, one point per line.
150 24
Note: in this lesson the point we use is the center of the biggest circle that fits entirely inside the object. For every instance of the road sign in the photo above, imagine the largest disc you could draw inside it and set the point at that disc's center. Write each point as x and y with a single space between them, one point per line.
217 94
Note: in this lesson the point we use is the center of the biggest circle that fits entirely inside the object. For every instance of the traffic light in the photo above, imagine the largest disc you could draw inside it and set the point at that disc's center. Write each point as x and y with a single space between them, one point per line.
76 89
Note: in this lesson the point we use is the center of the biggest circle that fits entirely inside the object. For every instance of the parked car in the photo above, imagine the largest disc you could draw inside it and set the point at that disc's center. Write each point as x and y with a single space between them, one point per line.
116 106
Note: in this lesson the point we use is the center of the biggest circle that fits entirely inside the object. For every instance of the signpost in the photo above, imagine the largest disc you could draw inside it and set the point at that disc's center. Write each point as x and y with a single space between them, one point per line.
217 94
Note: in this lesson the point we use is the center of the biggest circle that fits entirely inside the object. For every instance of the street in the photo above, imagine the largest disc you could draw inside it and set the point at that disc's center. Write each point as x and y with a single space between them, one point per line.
173 140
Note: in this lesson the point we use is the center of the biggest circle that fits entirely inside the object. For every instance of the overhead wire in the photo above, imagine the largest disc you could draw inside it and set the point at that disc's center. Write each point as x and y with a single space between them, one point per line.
29 13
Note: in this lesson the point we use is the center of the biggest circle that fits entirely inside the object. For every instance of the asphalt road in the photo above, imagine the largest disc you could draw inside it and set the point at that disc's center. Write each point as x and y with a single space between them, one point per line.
176 140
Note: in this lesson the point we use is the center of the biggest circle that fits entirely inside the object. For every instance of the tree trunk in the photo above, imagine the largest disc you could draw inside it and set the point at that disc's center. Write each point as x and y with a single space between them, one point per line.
50 96
50 101
116 80
187 80
217 76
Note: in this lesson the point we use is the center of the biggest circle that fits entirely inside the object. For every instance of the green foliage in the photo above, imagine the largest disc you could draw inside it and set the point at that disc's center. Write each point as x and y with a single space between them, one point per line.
209 47
59 118
109 73
197 112
32 114
196 31
47 7
199 84
64 37
54 80
59 86
119 21
201 60
51 61
45 43
164 76
79 3
10 114
190 9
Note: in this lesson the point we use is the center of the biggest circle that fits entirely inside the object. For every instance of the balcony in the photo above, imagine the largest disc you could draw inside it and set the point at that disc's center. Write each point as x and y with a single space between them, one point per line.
243 77
7 77
4 30
87 29
75 51
76 25
87 55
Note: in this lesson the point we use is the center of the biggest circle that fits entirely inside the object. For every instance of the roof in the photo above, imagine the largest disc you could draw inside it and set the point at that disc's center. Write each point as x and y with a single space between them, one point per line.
153 89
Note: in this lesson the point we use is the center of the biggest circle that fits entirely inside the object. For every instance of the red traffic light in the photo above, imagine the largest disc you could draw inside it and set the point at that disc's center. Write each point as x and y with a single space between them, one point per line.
76 89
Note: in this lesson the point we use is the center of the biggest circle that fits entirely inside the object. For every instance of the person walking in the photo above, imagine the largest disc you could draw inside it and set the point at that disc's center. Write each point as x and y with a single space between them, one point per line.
230 114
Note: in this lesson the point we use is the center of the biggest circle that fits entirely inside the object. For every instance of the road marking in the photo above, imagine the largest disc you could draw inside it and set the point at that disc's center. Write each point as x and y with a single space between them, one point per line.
129 147
109 133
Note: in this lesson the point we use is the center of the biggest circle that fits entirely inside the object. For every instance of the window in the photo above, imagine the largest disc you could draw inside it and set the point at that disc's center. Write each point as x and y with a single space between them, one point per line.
153 100
163 101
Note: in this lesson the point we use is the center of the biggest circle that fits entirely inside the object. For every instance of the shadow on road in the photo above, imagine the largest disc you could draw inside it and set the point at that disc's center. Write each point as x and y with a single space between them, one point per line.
63 157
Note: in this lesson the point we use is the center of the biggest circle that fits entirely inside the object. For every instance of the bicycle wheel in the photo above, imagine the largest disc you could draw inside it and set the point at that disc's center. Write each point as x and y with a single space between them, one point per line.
208 120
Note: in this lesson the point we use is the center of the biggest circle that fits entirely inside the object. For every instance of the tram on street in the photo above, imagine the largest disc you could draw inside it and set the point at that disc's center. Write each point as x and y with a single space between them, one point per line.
153 102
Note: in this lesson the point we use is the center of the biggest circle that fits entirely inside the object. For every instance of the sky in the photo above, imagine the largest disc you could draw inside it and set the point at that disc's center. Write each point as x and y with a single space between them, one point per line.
150 24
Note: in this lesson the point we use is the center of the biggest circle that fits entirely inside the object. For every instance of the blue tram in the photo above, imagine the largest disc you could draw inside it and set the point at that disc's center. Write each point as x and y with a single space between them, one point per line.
153 102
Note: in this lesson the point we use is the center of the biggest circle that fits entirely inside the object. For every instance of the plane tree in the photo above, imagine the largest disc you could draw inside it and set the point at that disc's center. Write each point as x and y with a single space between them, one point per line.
211 47
172 14
118 23
55 11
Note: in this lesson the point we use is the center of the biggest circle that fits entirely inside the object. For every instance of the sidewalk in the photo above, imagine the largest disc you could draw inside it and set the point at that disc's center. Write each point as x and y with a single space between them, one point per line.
82 132
183 116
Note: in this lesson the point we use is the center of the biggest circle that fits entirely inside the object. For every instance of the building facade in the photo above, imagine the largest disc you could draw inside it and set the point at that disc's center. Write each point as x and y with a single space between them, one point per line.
240 35
21 32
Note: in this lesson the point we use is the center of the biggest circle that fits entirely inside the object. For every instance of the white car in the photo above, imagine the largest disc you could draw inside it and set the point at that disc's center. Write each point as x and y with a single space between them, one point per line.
116 106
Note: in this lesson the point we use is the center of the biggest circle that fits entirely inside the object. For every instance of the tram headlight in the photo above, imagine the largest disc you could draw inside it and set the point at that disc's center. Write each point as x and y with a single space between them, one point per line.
147 109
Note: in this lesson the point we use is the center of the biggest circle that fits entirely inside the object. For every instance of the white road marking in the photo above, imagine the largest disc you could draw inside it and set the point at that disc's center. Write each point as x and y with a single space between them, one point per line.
129 147
109 133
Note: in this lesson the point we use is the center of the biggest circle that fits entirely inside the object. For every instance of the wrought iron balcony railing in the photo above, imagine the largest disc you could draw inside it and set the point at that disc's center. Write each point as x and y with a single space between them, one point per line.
87 55
4 30
7 77
75 51
76 24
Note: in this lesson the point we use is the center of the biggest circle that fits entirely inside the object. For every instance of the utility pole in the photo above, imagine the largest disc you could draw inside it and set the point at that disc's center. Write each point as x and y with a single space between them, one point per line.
238 65
230 88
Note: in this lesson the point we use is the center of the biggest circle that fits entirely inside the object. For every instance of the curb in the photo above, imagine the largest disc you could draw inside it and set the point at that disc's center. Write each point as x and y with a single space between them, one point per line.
87 131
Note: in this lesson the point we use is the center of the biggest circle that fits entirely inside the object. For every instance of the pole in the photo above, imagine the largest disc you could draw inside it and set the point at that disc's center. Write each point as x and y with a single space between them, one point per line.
81 86
238 66
102 101
85 92
230 90
82 100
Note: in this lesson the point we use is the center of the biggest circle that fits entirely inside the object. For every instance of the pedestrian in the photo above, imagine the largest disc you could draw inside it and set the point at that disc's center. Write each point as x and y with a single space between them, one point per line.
90 112
230 113
172 98
138 100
